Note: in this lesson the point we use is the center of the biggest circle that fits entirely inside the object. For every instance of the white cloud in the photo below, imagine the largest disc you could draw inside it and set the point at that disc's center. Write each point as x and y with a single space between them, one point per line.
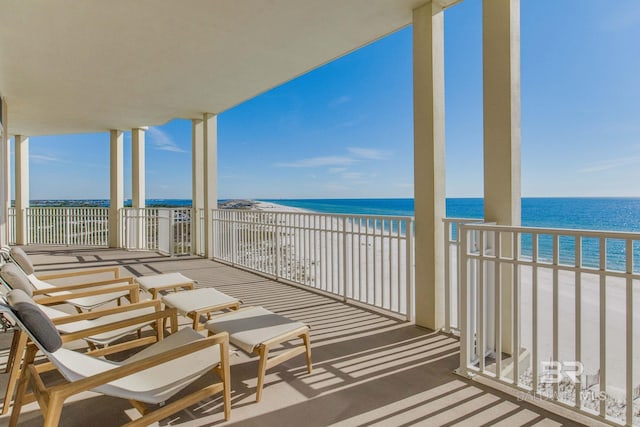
609 164
369 153
43 158
336 163
162 141
315 162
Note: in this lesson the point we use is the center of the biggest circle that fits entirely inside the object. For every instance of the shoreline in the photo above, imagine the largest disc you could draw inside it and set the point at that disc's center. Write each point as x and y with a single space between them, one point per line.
258 205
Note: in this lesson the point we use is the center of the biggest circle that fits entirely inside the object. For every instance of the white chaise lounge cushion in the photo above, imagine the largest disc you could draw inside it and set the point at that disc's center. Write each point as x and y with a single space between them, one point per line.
250 327
153 385
15 278
34 319
22 259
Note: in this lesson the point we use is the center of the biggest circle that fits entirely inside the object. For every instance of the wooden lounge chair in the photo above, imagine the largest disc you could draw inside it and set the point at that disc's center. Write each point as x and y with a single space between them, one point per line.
108 326
83 296
152 376
98 328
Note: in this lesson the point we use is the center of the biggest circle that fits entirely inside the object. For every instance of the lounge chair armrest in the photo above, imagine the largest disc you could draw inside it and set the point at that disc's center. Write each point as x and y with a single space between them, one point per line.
158 359
143 319
90 315
84 272
101 283
52 298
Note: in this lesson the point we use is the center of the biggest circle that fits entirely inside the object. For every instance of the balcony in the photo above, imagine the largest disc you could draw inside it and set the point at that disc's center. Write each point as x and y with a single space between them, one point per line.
312 266
370 367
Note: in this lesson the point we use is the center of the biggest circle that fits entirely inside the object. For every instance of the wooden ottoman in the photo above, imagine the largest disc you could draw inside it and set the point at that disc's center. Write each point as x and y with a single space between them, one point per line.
198 302
161 282
255 330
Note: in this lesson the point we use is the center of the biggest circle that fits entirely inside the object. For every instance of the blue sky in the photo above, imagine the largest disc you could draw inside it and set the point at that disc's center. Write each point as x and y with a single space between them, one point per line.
345 130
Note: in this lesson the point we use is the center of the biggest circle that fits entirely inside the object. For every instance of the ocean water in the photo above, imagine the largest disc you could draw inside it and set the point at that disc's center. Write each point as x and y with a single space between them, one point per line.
612 214
603 214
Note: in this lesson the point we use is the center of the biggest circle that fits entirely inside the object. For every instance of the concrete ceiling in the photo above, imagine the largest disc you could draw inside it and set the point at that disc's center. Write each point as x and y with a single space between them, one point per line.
70 66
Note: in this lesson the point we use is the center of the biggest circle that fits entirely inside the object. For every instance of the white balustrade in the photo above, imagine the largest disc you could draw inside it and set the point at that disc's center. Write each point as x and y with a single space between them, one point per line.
166 230
11 226
554 314
66 226
452 272
368 259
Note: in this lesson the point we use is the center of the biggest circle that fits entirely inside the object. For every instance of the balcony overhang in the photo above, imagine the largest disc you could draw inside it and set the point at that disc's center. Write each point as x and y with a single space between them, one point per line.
90 66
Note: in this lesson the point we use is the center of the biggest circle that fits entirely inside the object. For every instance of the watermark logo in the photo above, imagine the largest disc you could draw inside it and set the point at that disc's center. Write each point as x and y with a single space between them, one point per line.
553 372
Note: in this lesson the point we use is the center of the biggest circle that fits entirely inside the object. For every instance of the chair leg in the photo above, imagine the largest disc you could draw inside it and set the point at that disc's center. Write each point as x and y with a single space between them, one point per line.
54 410
14 373
174 323
307 345
12 354
22 384
196 320
226 379
263 351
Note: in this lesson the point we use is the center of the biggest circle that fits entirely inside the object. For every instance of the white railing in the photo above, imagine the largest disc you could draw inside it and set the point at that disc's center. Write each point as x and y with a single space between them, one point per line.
368 259
11 226
199 241
452 265
67 226
566 304
167 230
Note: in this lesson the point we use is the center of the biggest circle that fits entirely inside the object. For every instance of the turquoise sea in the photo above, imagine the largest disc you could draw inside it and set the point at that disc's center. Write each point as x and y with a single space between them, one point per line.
619 214
603 214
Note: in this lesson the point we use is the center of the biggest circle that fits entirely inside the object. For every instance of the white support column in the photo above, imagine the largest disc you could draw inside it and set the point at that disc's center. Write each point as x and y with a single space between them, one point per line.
5 187
22 187
429 163
210 173
137 168
116 187
501 75
197 184
138 196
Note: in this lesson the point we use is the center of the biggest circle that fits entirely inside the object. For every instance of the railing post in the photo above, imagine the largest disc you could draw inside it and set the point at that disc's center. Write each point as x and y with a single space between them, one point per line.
277 257
447 276
465 333
344 259
67 234
234 239
172 232
410 268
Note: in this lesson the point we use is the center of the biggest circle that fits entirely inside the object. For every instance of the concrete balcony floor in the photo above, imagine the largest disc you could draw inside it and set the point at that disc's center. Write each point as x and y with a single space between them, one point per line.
369 369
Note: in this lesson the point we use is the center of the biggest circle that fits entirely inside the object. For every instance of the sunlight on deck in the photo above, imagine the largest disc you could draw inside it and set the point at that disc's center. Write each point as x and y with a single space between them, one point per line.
369 369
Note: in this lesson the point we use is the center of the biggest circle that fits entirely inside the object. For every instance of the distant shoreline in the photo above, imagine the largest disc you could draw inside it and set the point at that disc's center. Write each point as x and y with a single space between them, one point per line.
247 204
252 203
